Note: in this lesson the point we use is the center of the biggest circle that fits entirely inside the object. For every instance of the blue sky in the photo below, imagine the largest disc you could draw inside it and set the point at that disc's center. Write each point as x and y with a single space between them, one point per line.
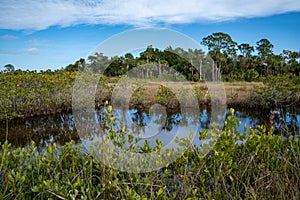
50 34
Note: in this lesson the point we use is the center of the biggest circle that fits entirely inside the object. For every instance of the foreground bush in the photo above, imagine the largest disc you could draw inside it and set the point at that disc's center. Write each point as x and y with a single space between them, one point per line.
257 165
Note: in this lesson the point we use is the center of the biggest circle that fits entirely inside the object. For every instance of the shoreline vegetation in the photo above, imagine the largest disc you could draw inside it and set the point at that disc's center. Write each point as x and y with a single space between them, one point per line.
27 94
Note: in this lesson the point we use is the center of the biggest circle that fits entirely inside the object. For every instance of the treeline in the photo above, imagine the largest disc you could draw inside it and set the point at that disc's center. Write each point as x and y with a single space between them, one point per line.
235 62
245 62
231 60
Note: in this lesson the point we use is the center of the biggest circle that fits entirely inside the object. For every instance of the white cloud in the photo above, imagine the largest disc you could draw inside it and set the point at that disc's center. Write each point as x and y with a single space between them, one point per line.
31 51
8 37
33 42
41 14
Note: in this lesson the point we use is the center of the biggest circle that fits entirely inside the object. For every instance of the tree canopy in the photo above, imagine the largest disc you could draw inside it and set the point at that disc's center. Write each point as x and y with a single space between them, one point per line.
231 61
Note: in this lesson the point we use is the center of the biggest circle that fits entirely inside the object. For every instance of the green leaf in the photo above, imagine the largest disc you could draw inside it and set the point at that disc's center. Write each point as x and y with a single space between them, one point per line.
160 191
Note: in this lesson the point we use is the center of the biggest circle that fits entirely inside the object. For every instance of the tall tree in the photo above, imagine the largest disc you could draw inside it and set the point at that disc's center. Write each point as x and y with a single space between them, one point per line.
292 60
264 48
149 54
129 61
292 57
245 49
9 68
74 67
221 47
196 57
265 51
243 62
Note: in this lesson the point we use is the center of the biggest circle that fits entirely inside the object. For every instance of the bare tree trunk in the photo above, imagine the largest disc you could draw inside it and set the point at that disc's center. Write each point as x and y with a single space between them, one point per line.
159 68
218 71
200 69
213 72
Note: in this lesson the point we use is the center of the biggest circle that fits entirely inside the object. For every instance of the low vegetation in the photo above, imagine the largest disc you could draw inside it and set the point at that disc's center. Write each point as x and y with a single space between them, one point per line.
278 91
25 93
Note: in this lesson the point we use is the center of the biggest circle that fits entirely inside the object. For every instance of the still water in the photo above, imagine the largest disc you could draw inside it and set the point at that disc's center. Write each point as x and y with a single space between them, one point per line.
60 128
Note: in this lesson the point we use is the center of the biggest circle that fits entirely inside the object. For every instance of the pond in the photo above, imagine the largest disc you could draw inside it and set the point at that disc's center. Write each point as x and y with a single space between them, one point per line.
60 128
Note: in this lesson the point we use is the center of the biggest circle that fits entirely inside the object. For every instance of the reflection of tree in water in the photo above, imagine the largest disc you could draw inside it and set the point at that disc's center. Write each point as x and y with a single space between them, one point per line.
139 118
43 130
143 118
205 119
60 128
173 120
283 120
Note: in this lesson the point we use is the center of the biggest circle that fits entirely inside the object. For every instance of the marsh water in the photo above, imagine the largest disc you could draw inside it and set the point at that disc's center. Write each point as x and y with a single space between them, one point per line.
61 128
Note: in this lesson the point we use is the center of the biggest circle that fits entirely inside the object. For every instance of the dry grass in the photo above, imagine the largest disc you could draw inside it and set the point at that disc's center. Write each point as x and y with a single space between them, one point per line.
236 92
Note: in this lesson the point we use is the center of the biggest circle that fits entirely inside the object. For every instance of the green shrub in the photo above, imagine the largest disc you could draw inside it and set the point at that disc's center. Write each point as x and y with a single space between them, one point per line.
200 93
251 75
164 96
138 96
280 91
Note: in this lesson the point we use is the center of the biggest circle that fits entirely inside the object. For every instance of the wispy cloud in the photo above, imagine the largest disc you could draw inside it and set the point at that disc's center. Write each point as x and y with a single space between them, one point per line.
8 37
32 51
34 42
41 14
